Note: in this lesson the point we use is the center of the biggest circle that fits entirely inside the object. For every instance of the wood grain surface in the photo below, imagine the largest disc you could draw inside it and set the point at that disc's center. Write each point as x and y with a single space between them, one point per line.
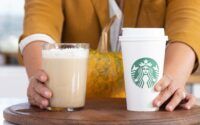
100 112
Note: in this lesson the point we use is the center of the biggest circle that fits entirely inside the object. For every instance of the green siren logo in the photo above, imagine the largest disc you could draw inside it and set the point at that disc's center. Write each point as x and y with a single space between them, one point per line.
145 72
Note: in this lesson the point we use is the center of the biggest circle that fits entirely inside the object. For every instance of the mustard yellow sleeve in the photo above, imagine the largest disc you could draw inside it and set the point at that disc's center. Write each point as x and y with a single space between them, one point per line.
43 16
183 23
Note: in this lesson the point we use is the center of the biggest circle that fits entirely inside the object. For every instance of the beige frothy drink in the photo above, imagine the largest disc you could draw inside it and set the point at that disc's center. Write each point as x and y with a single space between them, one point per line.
67 73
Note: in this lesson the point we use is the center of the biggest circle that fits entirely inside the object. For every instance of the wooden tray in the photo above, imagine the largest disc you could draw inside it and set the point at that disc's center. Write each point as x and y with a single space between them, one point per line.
100 112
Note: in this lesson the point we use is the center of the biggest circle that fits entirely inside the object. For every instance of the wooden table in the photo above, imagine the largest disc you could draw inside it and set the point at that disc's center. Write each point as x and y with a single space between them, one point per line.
100 112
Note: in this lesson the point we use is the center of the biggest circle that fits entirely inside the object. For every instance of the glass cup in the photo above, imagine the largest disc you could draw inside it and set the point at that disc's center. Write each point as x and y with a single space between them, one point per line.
143 52
66 67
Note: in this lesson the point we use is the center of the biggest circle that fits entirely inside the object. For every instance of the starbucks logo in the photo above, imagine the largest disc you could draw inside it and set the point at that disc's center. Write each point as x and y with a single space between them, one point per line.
145 72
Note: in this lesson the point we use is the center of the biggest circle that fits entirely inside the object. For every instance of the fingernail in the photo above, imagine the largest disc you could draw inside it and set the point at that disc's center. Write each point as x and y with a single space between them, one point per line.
158 103
47 94
43 78
188 107
158 88
169 108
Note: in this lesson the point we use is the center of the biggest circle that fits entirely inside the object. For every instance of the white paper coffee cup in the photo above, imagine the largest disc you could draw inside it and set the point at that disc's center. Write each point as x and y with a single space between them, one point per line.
143 51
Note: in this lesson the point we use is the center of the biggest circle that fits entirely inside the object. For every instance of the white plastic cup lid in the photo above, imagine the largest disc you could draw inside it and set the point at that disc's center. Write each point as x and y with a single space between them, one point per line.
143 34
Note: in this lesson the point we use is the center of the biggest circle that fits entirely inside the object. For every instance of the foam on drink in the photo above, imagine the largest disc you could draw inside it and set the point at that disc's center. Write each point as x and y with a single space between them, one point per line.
65 53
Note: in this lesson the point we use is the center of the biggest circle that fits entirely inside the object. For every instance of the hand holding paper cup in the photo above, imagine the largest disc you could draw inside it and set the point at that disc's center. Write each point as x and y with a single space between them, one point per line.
143 51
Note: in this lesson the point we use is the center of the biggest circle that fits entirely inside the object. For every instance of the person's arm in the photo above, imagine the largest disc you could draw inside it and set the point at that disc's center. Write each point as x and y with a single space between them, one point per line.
183 51
37 93
41 17
32 57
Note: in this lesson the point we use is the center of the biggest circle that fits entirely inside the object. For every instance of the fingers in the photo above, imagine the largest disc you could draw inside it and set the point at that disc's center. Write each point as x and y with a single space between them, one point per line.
163 83
178 96
164 95
190 102
30 97
37 100
41 101
172 94
42 90
38 94
41 76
